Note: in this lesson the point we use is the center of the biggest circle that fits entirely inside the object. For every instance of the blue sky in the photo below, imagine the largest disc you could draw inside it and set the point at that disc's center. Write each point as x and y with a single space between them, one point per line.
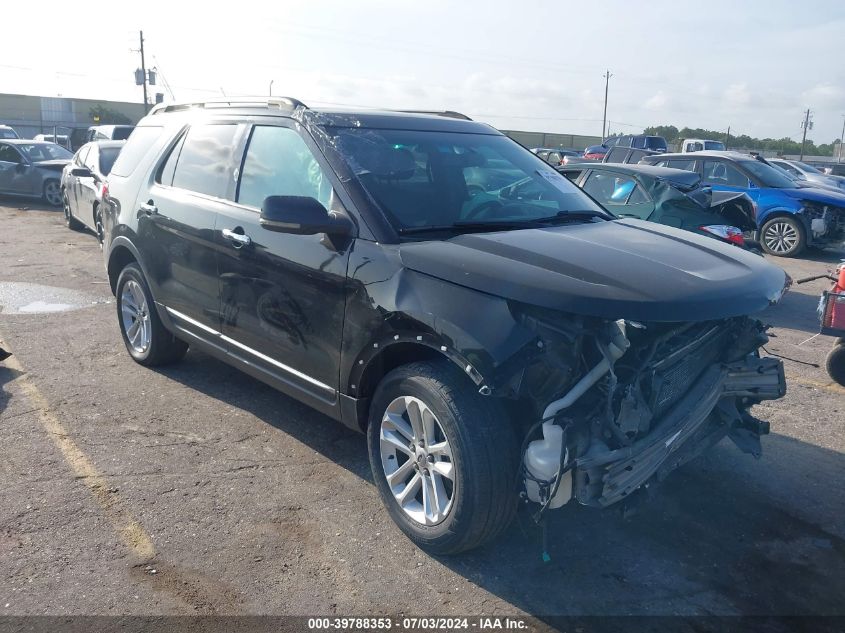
534 65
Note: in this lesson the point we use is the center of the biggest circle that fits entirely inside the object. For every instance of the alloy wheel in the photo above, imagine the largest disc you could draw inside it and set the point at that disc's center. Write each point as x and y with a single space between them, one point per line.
781 237
135 315
417 460
53 194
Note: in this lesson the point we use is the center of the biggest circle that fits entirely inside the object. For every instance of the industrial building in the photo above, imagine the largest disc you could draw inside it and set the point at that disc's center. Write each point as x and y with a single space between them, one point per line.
30 115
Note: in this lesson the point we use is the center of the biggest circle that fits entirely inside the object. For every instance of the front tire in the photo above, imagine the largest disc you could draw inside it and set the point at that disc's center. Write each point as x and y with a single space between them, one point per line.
52 193
443 457
147 340
783 236
835 362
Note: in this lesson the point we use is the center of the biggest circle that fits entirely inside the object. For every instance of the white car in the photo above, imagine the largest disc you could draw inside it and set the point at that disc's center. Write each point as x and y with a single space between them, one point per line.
700 144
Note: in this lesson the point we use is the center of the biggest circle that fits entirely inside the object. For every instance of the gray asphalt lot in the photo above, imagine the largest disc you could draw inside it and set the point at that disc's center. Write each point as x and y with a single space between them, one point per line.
198 490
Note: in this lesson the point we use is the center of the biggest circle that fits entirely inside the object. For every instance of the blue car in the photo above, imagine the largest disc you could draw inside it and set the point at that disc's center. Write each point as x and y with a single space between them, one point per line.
790 215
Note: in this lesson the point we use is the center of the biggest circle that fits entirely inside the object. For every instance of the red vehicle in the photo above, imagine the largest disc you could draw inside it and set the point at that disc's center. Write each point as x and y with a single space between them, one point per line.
832 314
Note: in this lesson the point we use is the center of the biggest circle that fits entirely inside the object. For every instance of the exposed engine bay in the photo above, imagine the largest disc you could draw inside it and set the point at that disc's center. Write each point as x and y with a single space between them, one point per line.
625 403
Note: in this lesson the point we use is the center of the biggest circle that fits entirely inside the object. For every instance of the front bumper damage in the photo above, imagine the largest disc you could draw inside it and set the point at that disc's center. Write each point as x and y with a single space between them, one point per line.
654 397
706 414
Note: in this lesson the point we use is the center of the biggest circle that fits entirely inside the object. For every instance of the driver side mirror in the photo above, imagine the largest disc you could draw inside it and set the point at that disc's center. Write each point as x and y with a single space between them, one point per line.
81 172
302 215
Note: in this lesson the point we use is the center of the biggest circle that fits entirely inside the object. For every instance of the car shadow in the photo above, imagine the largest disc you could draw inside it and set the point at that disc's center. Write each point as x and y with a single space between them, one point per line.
7 374
27 204
725 534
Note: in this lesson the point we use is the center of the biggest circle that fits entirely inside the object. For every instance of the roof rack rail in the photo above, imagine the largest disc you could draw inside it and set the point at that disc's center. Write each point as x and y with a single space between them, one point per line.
255 102
451 114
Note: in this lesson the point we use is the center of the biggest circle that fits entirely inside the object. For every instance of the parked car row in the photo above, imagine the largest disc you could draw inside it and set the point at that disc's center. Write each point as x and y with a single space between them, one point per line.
37 168
83 185
790 214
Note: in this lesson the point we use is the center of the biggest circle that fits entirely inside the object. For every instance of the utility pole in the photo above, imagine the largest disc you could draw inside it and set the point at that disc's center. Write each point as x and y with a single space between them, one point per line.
841 140
728 138
143 70
805 125
607 77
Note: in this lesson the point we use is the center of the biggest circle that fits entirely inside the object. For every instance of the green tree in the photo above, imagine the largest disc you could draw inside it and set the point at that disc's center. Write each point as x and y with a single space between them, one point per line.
107 116
783 145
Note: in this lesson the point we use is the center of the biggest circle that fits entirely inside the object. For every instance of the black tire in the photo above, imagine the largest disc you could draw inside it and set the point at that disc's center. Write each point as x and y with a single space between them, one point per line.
835 362
70 222
783 236
98 224
161 348
484 456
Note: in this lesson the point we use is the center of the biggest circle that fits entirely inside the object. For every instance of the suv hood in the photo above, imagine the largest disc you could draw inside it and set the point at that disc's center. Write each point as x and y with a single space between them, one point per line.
823 196
628 268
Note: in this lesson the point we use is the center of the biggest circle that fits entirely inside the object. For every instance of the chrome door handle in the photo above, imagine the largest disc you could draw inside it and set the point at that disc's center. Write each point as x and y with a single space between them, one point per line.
149 208
239 239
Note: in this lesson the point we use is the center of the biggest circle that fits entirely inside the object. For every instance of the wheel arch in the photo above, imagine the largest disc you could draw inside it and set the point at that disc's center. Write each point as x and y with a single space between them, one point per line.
380 358
121 253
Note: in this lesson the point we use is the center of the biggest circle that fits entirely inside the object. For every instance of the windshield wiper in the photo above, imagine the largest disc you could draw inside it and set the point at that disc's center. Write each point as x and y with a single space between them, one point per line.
506 225
469 226
574 216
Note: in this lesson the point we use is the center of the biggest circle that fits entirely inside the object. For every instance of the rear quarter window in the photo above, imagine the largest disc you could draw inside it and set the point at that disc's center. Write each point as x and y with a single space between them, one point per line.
139 143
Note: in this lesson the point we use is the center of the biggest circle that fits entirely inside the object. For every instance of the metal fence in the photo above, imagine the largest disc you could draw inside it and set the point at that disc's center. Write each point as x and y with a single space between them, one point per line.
545 139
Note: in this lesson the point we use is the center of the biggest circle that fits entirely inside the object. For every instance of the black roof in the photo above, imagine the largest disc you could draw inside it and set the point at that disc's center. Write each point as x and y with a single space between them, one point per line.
333 117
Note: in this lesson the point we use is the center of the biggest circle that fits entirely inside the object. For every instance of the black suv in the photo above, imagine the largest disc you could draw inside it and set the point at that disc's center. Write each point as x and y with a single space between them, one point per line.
489 338
638 141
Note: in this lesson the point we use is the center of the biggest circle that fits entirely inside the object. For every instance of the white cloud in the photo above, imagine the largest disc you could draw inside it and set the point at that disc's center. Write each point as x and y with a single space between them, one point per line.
737 94
657 101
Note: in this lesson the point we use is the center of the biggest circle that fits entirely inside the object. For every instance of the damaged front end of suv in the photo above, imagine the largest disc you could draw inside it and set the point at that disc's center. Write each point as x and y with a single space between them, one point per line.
638 400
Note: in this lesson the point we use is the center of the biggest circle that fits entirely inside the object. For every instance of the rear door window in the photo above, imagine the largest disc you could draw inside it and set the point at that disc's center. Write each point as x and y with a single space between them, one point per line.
621 194
107 157
719 172
139 143
205 162
687 165
616 155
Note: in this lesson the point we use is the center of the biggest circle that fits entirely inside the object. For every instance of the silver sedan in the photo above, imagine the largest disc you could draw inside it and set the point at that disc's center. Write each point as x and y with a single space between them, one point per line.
83 181
803 171
32 169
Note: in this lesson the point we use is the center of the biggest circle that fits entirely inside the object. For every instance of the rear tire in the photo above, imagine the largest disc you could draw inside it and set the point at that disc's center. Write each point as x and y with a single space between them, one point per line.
147 340
783 236
464 434
835 362
98 224
70 222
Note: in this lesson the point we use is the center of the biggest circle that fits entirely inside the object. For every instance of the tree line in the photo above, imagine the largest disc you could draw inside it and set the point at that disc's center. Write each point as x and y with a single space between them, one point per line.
783 145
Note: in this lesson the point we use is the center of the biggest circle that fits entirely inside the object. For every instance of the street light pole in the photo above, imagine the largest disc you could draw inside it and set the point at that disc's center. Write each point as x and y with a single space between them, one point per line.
271 87
607 77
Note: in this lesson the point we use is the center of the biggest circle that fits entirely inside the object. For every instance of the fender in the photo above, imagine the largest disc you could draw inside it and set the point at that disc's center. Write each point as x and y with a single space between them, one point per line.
406 307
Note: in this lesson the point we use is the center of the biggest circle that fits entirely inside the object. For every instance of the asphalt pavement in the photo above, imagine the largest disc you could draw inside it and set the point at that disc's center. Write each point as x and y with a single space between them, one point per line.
196 489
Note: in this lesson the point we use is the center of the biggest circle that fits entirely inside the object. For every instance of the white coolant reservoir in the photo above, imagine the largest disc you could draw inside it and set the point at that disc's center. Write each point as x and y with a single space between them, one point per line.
542 460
